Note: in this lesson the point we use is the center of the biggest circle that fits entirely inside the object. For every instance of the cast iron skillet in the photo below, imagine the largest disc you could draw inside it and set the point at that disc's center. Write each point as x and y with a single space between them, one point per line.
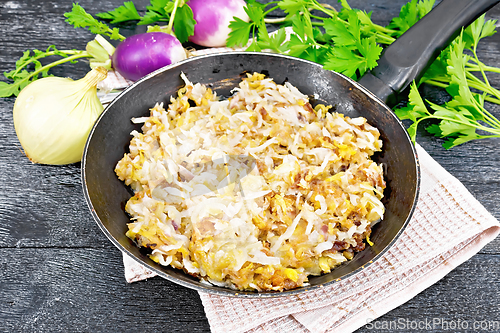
400 64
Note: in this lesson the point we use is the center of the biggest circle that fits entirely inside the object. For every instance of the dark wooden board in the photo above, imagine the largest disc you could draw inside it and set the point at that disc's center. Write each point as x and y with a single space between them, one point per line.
58 272
83 290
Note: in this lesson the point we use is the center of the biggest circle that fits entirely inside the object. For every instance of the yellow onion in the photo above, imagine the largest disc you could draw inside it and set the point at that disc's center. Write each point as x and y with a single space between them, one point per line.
53 117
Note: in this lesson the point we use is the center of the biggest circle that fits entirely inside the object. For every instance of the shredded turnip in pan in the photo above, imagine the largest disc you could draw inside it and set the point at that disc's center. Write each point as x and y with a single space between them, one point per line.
253 193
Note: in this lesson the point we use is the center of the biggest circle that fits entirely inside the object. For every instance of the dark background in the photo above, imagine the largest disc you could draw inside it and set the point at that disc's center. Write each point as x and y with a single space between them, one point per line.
58 272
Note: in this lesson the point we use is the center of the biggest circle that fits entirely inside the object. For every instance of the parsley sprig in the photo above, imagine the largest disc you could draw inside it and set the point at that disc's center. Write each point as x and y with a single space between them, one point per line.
79 18
30 67
346 41
439 75
22 76
464 117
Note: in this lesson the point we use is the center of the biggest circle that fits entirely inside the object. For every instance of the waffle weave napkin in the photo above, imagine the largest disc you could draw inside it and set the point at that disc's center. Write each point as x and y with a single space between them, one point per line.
448 227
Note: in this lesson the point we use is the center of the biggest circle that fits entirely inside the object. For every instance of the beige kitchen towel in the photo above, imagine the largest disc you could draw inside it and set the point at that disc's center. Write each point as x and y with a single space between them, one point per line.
448 227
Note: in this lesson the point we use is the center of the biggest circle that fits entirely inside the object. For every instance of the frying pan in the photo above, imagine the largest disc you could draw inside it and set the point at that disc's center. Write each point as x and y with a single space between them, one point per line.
401 62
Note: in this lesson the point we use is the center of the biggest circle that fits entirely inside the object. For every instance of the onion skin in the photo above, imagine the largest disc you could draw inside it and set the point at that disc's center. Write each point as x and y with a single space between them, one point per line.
53 117
141 54
212 20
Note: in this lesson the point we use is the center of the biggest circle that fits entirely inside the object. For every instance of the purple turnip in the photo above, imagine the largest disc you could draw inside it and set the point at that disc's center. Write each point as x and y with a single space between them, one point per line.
142 54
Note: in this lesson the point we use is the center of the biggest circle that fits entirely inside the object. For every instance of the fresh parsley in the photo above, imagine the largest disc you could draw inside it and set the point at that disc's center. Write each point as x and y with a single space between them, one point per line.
464 117
157 11
183 23
29 68
354 52
241 30
124 13
79 18
409 15
346 41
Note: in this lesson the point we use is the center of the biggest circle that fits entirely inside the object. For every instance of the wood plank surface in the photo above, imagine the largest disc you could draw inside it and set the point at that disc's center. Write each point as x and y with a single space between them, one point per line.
59 273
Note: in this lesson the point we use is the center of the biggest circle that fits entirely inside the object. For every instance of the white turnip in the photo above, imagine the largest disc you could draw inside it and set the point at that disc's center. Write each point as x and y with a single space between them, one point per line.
212 20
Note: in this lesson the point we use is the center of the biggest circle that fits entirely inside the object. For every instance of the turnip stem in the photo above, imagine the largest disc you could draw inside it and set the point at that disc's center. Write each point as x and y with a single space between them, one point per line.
172 16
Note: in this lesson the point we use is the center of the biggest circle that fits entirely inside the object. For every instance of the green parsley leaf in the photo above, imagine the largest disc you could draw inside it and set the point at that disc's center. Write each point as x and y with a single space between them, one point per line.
424 7
79 18
263 38
459 86
126 12
345 5
352 54
151 17
296 46
184 23
410 14
478 30
291 7
7 89
339 33
278 40
344 61
158 10
437 71
470 135
29 68
298 11
301 28
240 32
255 12
418 108
370 51
460 120
254 47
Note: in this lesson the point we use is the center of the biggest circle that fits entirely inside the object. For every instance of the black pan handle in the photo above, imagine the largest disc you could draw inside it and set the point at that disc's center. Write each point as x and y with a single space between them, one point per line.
407 58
